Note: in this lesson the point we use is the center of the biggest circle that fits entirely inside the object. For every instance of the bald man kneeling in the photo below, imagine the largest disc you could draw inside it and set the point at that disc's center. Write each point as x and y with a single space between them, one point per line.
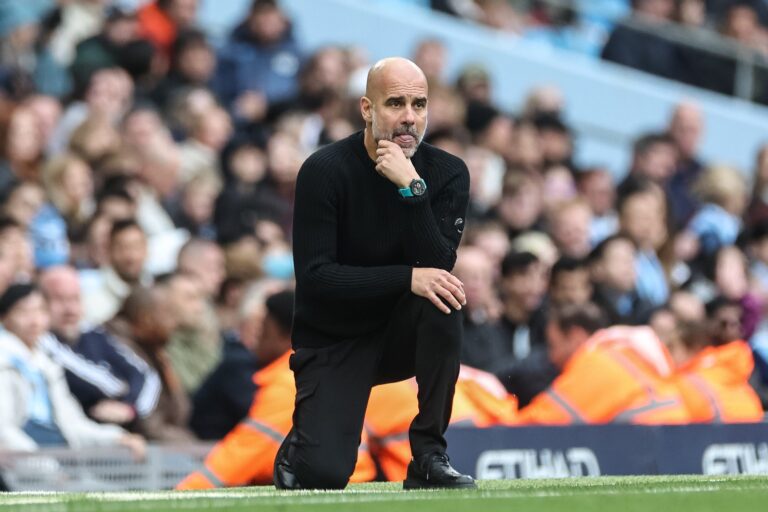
378 217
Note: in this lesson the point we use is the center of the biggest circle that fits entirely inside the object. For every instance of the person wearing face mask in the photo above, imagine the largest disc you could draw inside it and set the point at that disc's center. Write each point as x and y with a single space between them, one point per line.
377 221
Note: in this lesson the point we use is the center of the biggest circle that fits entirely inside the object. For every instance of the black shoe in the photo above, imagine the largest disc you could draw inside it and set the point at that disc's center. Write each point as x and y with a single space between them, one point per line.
282 473
432 471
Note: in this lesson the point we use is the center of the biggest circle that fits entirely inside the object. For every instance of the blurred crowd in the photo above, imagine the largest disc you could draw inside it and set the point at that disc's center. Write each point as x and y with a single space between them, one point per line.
682 40
147 180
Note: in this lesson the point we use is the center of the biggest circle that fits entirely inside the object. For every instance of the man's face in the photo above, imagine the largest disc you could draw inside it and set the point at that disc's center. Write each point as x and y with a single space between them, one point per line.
187 300
571 287
127 254
526 288
398 109
65 306
726 325
617 267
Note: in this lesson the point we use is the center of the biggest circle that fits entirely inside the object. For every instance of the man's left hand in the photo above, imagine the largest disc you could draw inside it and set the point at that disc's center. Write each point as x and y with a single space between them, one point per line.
393 165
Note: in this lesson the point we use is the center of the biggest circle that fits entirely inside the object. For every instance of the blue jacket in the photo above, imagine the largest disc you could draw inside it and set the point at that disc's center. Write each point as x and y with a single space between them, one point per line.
99 367
246 64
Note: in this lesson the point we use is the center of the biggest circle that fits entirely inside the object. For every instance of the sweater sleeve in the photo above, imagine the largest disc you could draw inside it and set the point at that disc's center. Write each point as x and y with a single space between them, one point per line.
437 223
315 232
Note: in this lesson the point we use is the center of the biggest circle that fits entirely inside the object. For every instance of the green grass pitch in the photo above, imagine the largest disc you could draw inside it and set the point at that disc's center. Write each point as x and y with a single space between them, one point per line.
614 494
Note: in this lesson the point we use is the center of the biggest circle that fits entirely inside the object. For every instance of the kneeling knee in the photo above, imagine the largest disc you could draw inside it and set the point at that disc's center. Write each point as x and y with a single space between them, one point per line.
324 473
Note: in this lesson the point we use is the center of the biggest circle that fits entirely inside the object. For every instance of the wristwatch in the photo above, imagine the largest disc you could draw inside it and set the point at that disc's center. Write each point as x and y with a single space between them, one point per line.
416 188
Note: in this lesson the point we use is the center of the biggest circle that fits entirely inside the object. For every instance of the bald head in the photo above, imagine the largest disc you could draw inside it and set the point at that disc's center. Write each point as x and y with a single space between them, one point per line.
395 105
61 287
385 70
686 127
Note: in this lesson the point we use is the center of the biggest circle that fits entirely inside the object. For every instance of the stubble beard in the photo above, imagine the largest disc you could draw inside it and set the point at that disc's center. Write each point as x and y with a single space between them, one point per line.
379 134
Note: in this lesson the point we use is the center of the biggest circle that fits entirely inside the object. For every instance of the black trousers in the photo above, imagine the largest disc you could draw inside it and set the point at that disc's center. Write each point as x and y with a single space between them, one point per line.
333 385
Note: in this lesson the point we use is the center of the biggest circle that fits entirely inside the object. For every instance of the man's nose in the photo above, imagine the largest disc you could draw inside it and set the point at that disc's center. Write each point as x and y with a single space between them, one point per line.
409 116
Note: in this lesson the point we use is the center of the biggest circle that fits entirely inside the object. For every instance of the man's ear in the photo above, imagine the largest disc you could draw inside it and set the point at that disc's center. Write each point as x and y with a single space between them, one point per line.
365 109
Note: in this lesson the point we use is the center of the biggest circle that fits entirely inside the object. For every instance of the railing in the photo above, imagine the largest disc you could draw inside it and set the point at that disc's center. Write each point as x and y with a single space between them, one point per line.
100 469
748 62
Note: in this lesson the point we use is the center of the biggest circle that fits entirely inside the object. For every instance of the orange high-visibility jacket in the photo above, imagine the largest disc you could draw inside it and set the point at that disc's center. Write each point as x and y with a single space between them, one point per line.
247 454
622 375
480 400
714 385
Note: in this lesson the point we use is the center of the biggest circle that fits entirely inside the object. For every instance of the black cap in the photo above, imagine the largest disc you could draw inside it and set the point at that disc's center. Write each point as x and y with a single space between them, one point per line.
280 307
13 294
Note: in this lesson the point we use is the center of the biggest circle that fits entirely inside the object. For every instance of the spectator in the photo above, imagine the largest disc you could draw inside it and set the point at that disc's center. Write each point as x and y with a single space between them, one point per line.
192 64
654 158
521 203
569 282
21 147
109 381
18 250
226 395
37 408
614 275
260 62
556 140
643 217
193 348
162 20
105 289
638 45
211 130
618 375
144 324
569 224
685 129
481 312
521 362
717 222
68 183
195 213
758 206
597 187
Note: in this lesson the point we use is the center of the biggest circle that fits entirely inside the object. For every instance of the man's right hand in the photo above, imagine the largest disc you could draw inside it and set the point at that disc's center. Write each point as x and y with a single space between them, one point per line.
440 287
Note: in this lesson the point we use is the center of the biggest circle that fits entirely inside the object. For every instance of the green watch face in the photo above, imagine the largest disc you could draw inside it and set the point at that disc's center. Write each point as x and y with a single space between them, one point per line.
418 187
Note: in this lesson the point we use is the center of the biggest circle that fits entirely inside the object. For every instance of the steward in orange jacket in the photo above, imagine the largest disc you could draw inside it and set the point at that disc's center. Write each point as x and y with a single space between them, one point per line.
247 454
620 374
715 367
480 400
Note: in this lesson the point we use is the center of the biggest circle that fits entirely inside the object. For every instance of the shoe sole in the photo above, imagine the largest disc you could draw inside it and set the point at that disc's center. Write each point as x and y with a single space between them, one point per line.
413 484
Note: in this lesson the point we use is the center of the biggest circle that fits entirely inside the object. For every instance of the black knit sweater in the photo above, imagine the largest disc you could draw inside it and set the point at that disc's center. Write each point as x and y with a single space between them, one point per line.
356 239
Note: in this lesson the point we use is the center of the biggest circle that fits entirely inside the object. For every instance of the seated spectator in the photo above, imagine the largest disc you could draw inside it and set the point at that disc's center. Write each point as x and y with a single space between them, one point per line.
479 401
686 127
597 187
643 218
654 157
569 223
37 408
713 374
569 282
105 289
643 50
246 455
162 20
520 359
483 308
226 395
194 347
112 384
144 324
615 279
261 59
615 375
723 194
